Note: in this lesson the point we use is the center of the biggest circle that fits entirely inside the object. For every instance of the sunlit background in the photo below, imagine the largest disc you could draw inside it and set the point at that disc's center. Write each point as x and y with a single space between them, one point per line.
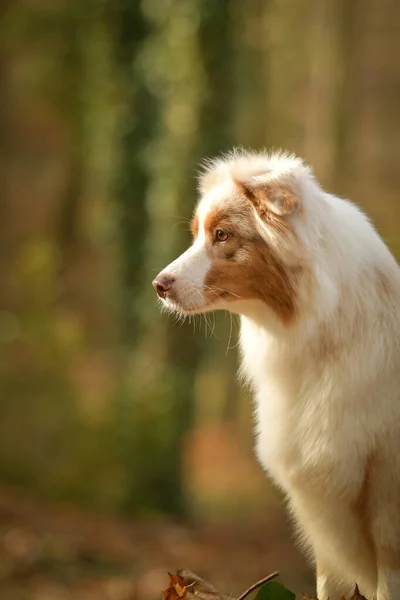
125 439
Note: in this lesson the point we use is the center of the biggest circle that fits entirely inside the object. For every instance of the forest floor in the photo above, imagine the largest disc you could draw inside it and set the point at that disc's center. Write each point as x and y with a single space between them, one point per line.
57 552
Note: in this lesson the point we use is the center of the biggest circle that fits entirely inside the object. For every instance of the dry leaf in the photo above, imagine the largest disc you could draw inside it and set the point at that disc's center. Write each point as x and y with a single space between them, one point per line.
178 587
186 585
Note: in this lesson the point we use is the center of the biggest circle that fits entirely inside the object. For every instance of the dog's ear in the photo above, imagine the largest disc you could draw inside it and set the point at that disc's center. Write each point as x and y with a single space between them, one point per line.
276 197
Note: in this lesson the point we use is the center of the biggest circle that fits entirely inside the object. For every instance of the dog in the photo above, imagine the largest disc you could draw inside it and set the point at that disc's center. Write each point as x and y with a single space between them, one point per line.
318 294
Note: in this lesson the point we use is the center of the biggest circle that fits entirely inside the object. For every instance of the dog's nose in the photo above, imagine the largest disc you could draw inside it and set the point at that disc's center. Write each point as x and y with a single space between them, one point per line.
162 284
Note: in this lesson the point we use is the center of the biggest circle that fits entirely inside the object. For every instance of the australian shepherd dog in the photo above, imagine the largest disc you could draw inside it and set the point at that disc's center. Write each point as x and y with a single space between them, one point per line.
318 294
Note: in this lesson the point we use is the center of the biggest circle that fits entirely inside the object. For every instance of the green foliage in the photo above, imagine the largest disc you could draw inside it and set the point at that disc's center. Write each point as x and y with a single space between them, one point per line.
273 590
107 109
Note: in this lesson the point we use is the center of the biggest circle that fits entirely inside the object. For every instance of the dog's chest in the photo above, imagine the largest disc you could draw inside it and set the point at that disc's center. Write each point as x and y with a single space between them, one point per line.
308 427
307 442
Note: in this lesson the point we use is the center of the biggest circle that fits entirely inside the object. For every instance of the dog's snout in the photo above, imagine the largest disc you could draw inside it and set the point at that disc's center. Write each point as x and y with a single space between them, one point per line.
162 284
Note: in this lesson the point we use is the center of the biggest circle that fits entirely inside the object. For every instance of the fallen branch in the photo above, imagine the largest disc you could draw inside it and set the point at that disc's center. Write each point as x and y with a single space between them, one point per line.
258 584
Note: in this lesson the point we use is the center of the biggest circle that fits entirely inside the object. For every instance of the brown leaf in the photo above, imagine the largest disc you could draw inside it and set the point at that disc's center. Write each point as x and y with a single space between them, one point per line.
178 587
305 597
357 595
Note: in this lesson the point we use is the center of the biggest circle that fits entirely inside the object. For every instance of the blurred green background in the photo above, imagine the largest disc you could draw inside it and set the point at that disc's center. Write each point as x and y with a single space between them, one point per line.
125 440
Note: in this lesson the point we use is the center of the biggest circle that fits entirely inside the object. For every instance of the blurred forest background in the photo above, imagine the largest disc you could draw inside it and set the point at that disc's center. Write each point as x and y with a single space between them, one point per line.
125 440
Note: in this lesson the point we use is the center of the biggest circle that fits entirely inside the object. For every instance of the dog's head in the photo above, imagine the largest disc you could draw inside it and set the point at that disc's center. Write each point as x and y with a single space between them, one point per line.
245 246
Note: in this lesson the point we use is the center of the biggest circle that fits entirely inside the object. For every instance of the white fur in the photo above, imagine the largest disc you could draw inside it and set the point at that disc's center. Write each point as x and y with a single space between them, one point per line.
321 416
190 270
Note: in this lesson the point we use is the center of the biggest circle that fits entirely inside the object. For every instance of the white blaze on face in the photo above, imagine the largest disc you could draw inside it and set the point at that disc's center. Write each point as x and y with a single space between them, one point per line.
190 269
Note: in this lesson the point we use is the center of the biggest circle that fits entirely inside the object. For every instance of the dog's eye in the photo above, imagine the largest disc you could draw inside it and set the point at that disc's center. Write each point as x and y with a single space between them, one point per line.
221 236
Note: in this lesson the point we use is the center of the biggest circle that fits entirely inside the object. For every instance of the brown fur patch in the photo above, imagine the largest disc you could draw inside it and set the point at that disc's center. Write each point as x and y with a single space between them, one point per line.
232 215
214 219
263 278
194 226
245 266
